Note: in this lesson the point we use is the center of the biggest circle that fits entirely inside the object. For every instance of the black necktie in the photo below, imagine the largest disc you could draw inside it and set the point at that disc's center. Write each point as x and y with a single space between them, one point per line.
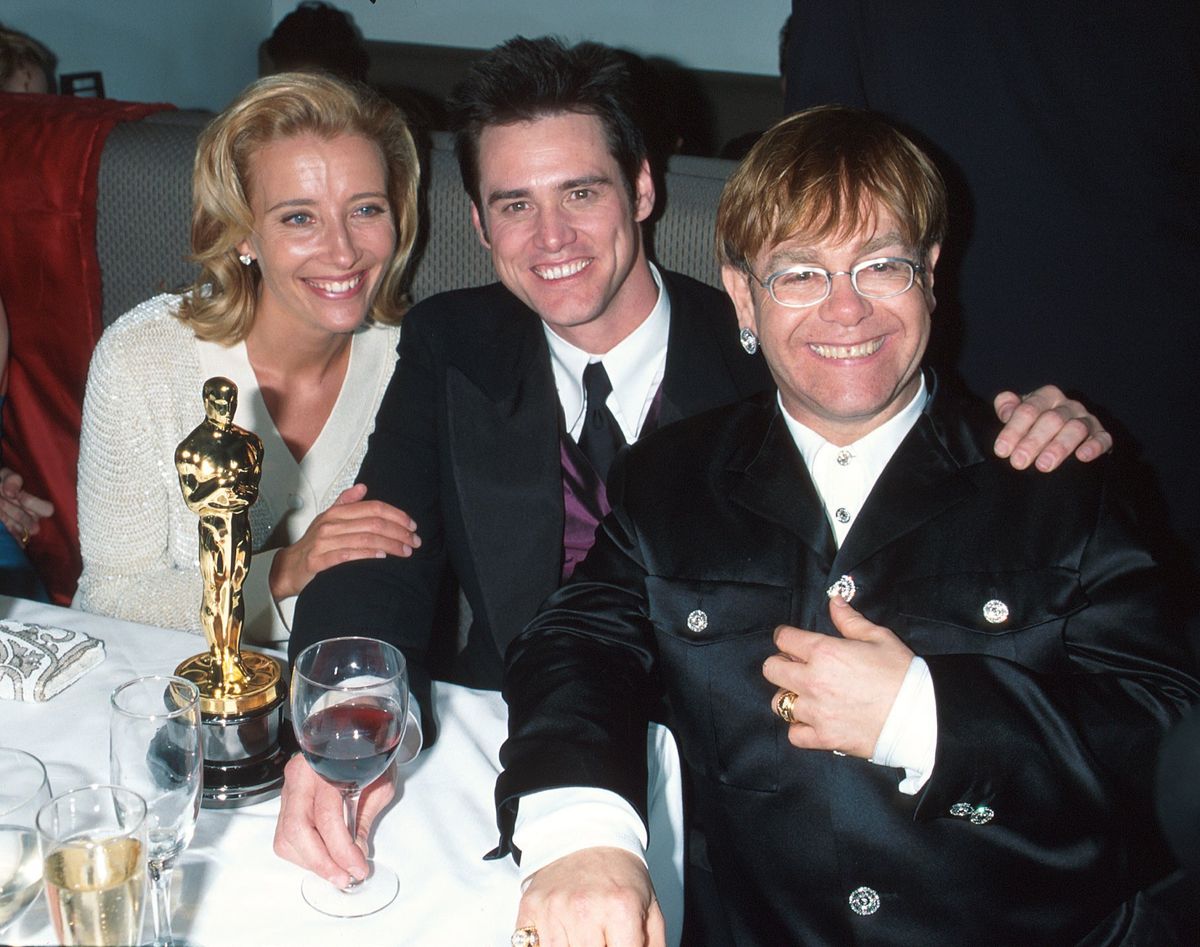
601 436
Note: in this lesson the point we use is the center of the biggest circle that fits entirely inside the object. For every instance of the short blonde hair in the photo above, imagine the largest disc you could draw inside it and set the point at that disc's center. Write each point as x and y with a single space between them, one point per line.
221 305
819 173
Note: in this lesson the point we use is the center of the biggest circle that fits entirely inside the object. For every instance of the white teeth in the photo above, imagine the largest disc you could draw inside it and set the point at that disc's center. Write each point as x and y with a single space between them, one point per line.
339 286
861 350
561 271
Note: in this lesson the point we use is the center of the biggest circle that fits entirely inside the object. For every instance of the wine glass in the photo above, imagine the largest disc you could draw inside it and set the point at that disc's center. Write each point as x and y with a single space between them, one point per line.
155 750
23 791
350 709
93 843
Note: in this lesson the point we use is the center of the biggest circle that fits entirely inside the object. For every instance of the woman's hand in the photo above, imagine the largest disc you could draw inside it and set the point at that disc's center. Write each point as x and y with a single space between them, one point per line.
353 528
21 512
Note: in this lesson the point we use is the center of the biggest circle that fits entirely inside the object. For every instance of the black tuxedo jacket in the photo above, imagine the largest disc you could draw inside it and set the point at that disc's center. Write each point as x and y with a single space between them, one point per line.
1049 719
467 442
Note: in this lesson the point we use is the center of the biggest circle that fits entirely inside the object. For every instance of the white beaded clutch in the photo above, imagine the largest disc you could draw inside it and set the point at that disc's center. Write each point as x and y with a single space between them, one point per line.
38 661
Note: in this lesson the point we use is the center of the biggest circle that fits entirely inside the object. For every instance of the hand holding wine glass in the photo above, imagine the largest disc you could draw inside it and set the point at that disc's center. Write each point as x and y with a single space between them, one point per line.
349 704
23 791
155 750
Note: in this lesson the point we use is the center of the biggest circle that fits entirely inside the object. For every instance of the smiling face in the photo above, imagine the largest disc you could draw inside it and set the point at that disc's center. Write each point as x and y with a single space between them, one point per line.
563 234
847 364
323 232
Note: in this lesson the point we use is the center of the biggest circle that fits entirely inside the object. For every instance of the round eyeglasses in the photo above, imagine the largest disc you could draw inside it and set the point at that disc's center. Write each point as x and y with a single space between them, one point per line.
806 285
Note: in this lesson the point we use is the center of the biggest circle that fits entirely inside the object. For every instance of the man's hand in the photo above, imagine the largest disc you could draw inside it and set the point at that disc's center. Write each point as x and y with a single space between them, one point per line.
1044 427
311 831
20 511
844 687
596 897
353 528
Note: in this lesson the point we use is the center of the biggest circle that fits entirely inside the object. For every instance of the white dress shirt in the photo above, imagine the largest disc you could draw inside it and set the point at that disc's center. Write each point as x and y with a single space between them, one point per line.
635 366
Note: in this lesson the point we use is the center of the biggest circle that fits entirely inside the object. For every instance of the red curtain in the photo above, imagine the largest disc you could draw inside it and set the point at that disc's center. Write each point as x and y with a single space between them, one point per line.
50 284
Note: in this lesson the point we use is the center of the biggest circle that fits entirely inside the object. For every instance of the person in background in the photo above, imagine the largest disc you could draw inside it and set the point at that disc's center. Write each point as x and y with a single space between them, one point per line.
917 693
512 399
304 213
25 64
20 511
317 37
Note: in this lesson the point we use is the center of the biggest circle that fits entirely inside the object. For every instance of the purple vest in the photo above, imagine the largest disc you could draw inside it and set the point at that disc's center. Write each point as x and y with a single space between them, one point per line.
585 501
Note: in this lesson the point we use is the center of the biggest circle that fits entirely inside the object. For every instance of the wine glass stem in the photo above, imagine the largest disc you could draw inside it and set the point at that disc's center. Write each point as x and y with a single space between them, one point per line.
350 804
160 904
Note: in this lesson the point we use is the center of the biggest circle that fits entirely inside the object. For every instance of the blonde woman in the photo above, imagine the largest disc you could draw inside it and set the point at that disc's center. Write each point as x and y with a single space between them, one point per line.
304 214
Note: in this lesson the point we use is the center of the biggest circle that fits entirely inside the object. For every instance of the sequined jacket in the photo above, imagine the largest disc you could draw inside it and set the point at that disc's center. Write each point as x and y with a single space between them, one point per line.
139 540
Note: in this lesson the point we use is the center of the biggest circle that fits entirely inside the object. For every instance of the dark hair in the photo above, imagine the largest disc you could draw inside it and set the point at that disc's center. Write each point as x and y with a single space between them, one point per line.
318 37
526 79
19 51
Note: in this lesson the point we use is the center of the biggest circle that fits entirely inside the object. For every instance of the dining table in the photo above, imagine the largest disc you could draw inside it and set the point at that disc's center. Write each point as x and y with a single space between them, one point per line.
229 888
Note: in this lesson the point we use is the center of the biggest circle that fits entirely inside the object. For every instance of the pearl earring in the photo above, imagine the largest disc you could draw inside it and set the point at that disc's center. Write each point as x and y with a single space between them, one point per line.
245 258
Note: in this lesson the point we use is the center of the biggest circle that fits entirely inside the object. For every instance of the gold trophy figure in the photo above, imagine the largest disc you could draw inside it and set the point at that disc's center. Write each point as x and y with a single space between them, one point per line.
219 466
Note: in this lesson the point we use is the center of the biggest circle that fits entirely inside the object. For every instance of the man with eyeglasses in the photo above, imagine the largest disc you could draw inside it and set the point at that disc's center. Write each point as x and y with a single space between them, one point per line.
916 692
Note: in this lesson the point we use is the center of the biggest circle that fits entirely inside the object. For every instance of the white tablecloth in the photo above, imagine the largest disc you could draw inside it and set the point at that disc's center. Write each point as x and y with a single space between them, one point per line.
231 889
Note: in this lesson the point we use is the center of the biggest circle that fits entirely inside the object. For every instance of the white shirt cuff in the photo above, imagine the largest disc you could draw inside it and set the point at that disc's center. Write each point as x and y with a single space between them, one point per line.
554 823
908 739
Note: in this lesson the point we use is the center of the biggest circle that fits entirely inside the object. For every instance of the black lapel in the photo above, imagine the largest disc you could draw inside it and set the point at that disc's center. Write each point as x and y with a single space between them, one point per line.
771 481
503 435
926 475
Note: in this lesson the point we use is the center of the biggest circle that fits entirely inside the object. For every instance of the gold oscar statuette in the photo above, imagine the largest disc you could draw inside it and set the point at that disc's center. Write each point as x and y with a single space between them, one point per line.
241 692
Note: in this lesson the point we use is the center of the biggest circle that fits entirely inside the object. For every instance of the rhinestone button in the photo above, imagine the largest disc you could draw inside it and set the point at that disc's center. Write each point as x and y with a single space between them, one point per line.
960 810
864 901
842 515
843 457
995 611
697 621
844 587
982 815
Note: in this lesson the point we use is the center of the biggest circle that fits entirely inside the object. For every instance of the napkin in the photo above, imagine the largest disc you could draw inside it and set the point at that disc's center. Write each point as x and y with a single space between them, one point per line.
38 661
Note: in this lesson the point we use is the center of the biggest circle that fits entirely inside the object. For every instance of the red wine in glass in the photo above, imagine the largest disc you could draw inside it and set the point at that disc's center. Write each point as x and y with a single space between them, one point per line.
349 699
350 744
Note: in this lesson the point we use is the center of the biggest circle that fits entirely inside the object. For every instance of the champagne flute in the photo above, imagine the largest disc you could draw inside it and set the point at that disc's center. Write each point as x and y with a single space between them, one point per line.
154 749
25 789
350 708
93 843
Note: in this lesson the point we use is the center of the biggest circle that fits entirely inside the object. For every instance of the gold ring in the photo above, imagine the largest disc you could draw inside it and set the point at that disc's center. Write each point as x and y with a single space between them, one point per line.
24 535
783 706
525 937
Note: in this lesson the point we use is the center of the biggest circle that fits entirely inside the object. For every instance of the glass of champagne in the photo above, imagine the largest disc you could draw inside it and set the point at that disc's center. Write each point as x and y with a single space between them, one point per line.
154 749
23 791
349 708
93 843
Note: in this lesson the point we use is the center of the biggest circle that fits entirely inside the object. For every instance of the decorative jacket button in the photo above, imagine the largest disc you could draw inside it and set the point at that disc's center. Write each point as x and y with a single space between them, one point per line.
995 611
844 587
697 621
960 810
864 901
982 815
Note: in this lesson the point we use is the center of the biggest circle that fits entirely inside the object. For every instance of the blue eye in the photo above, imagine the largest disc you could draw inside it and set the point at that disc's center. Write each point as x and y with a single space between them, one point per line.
371 210
298 218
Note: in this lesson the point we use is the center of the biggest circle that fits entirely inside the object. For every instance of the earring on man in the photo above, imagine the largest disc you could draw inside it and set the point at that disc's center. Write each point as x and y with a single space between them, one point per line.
245 258
749 341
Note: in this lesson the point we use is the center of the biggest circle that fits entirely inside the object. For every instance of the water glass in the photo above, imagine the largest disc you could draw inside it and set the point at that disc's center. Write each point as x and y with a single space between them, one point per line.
23 791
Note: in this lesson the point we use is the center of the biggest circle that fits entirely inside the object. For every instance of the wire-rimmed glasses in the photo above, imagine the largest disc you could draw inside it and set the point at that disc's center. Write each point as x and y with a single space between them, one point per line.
804 284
